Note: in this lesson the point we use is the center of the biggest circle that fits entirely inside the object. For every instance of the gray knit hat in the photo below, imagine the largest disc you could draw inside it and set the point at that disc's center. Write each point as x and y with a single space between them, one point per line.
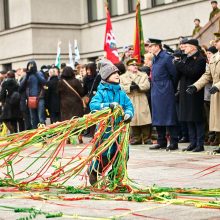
107 68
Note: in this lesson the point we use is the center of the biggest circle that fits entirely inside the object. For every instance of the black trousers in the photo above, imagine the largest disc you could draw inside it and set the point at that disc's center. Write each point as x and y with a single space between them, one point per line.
196 133
161 132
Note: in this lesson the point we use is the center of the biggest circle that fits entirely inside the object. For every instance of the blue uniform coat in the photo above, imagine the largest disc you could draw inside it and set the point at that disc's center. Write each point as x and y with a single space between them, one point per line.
163 91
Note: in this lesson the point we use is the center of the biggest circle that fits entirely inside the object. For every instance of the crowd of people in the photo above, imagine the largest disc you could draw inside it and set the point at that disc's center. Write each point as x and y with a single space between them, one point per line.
174 91
163 92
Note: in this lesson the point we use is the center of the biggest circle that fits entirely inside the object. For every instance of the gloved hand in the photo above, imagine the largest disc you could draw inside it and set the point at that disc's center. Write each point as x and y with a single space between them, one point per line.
127 118
213 90
191 89
113 105
134 86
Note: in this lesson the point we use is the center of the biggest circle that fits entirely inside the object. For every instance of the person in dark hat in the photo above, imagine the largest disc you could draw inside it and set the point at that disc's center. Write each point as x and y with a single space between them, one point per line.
191 108
164 115
212 74
197 27
136 84
109 95
215 10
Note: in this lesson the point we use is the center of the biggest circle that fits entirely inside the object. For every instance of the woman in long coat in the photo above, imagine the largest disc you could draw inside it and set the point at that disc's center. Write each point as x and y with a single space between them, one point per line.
70 102
135 84
11 110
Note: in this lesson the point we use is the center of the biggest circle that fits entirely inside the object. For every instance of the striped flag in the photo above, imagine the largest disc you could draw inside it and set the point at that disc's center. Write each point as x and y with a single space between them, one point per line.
138 37
58 58
76 49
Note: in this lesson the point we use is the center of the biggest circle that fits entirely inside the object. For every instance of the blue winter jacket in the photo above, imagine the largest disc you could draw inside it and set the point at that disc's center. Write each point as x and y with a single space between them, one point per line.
106 94
33 83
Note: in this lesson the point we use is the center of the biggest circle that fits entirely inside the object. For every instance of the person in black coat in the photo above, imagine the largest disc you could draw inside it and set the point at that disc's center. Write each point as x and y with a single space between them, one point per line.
23 103
90 85
189 70
91 81
10 99
52 96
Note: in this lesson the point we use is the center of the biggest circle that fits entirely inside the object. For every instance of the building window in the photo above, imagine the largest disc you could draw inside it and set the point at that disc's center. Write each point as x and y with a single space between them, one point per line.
157 2
6 15
92 10
7 67
113 7
131 5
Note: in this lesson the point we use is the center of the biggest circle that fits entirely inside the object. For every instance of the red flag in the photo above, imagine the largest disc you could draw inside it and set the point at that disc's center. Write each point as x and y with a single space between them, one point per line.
110 43
138 37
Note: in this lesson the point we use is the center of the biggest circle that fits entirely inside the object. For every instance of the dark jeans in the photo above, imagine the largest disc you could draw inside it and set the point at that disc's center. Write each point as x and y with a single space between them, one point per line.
38 115
196 133
162 139
100 165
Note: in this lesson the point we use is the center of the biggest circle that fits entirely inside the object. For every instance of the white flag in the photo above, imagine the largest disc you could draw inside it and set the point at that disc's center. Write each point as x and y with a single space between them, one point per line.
58 58
71 64
76 50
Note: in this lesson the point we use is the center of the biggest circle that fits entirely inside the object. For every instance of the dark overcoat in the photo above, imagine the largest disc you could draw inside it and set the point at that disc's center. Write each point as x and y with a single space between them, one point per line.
70 104
52 95
9 111
163 90
191 107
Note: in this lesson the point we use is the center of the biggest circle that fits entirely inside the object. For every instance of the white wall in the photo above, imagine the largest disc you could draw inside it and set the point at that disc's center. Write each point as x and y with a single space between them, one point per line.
56 11
19 12
2 26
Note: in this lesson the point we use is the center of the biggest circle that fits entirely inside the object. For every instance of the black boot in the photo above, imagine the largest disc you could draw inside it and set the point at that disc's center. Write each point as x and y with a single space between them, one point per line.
93 177
198 149
158 146
217 151
172 147
189 148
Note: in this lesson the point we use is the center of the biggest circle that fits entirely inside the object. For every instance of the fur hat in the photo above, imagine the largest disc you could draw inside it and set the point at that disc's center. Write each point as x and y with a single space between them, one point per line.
212 49
107 68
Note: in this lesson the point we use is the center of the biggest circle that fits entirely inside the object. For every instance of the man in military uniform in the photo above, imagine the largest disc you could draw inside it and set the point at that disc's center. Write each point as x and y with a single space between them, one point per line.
164 115
215 10
197 27
136 84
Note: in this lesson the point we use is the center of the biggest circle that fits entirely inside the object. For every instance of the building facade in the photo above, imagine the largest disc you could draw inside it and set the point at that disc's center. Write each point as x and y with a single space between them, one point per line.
30 29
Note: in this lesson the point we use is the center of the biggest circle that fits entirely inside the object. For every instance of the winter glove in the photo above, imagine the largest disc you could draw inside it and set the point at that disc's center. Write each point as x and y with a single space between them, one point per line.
213 90
134 86
127 118
113 105
191 90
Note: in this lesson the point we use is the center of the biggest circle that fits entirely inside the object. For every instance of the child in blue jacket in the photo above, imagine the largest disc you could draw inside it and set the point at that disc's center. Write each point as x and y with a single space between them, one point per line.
109 95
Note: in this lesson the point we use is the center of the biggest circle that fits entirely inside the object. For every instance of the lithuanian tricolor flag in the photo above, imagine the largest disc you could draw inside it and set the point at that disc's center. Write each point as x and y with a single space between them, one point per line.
138 35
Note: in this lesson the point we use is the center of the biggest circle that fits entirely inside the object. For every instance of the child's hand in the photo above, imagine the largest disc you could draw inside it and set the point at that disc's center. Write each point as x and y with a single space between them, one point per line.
113 105
127 118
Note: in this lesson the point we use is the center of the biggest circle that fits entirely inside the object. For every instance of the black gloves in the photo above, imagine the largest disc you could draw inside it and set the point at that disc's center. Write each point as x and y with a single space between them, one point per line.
134 86
127 118
213 90
191 89
113 105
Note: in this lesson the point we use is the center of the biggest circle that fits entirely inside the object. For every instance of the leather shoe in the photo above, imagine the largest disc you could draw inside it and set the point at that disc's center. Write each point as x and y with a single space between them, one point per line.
189 148
172 147
184 140
93 178
157 147
198 149
135 143
217 151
